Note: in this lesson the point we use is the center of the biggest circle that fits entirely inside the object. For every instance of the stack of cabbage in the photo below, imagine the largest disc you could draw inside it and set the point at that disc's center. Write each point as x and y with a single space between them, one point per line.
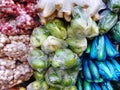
59 44
98 62
57 47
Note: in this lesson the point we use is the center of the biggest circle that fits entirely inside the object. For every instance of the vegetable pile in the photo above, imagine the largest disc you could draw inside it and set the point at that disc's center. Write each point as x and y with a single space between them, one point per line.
99 65
99 62
63 9
63 45
52 59
16 24
14 68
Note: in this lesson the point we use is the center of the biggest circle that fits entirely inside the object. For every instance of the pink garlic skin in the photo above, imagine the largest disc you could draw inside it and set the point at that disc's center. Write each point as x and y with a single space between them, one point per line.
14 68
12 74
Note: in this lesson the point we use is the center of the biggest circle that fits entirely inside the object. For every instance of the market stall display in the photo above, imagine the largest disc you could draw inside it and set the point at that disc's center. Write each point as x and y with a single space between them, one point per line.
59 45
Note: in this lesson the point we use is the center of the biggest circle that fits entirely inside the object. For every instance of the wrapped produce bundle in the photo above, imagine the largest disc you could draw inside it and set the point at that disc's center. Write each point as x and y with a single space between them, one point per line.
93 86
40 76
56 79
60 74
38 60
54 36
38 36
77 45
116 32
61 78
58 43
107 20
51 9
82 24
36 85
57 28
99 65
55 57
114 5
67 61
102 48
51 44
98 48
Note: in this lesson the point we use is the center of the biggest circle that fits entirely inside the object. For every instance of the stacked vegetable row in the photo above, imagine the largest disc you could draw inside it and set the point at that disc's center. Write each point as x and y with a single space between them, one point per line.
58 44
14 67
98 62
83 84
99 65
16 24
18 18
48 10
57 47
